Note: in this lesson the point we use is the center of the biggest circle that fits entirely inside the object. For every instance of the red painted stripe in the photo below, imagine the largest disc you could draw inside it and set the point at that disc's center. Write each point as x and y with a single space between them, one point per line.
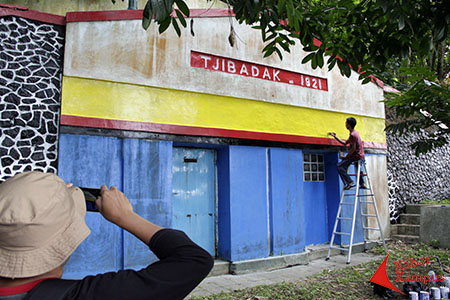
21 11
107 15
20 289
203 131
116 15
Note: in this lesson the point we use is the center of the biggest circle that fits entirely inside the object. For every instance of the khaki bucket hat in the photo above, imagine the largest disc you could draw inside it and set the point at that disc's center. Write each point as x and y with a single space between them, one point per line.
41 223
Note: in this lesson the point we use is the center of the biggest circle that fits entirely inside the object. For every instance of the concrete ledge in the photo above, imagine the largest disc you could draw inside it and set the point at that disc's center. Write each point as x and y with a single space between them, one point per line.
435 225
268 263
413 209
320 252
278 262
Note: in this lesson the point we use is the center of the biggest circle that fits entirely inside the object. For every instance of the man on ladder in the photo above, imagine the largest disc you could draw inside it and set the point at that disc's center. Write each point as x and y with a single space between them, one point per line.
355 155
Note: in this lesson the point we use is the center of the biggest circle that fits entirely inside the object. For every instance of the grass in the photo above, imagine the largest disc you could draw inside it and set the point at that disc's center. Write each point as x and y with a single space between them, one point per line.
348 282
435 202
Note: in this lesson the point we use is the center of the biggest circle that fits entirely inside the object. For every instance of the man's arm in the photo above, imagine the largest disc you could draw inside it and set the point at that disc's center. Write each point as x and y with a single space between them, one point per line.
343 142
351 151
117 209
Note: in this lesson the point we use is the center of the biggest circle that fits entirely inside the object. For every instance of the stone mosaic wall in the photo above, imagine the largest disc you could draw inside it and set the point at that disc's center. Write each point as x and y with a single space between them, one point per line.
412 179
31 56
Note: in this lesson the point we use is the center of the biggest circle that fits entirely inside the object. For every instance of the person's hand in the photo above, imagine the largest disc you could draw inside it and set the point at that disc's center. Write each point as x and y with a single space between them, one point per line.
116 208
333 134
114 205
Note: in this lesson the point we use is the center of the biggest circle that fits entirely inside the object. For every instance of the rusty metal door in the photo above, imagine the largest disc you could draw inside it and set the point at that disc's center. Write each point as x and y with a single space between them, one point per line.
194 195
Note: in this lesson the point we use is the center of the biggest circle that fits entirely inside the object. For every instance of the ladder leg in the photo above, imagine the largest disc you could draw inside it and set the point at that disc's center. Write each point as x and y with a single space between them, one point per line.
354 214
363 210
335 226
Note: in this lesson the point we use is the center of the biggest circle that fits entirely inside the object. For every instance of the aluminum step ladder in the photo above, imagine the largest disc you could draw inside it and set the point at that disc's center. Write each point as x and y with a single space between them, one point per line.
365 198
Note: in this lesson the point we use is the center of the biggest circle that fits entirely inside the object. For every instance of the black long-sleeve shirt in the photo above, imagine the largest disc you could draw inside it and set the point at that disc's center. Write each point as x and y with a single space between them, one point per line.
181 267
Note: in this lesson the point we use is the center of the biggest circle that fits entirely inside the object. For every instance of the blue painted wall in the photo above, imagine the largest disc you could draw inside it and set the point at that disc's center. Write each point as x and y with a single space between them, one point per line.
142 170
316 212
90 162
287 217
147 178
245 203
333 191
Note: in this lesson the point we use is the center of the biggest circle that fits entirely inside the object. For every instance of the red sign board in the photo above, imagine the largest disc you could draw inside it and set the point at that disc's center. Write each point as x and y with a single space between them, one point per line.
243 68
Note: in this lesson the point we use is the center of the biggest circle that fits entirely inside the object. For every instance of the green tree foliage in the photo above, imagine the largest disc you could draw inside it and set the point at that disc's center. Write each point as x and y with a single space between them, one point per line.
368 36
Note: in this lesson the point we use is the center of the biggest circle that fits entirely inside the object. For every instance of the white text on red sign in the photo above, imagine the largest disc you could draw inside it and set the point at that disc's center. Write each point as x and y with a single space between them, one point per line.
238 67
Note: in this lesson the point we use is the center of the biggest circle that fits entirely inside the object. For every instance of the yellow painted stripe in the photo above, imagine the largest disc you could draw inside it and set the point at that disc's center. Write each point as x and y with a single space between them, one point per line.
129 102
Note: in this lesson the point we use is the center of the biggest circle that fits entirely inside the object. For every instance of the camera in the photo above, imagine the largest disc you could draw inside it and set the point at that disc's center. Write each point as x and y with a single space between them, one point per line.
90 196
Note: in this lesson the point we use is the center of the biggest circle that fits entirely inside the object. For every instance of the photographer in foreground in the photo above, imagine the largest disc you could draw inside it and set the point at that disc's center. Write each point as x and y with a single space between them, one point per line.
42 223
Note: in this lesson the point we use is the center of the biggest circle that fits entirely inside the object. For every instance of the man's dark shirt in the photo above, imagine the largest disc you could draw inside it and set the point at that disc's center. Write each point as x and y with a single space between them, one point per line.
182 266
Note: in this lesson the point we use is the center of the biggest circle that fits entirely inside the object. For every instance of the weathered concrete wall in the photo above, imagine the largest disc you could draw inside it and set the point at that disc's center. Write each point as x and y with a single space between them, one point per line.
411 178
376 169
30 88
435 225
132 55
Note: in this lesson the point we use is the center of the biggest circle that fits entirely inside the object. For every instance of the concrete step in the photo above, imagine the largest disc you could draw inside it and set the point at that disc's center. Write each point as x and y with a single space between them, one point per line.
408 229
221 267
406 238
413 209
394 229
413 219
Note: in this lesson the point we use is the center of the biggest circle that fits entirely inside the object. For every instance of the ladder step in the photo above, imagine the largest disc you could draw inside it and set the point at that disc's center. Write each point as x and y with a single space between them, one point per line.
362 201
371 228
343 233
347 203
344 218
372 216
339 248
360 195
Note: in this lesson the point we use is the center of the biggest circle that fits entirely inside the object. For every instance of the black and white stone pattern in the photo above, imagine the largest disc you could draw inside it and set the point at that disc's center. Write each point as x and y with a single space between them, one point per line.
31 57
411 178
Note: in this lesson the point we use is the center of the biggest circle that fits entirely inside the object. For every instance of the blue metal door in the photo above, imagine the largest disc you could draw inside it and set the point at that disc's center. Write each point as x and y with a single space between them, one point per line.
194 195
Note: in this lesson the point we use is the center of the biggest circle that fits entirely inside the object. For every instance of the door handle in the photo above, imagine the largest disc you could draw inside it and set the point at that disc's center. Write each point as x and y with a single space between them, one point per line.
190 160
